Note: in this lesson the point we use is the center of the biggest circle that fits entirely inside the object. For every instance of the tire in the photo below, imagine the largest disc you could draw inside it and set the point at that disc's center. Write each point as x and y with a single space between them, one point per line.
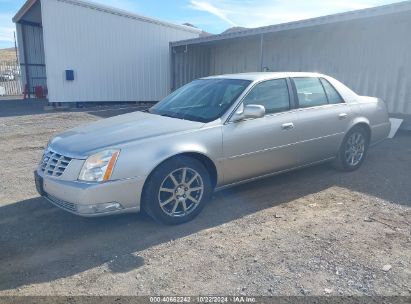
353 150
174 201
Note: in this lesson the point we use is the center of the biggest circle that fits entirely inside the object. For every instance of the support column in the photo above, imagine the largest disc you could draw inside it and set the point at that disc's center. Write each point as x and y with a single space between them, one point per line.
261 51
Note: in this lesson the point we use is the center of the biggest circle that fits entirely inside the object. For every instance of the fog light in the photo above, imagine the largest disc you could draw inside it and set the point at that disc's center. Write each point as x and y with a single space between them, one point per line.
98 208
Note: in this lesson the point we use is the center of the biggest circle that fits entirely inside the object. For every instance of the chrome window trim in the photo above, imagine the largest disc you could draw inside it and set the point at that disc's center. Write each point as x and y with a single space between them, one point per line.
326 106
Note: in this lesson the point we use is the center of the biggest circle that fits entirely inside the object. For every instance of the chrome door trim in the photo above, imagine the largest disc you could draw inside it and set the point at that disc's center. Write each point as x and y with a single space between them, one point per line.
267 115
287 126
324 106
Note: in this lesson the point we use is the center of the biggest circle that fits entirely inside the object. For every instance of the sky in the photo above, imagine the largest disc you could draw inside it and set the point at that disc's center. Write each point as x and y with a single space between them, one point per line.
213 16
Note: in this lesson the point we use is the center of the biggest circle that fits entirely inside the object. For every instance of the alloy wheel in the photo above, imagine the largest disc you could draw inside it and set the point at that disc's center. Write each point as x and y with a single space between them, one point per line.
180 192
354 149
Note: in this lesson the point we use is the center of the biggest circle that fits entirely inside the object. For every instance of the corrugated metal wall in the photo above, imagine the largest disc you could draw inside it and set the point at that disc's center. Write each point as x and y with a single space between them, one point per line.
371 55
114 58
234 57
31 56
189 63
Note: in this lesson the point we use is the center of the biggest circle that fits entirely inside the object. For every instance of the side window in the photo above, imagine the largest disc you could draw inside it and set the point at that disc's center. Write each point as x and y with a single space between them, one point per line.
272 94
332 94
310 92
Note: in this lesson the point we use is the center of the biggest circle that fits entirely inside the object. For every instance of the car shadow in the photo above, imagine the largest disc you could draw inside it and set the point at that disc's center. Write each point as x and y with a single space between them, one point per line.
41 243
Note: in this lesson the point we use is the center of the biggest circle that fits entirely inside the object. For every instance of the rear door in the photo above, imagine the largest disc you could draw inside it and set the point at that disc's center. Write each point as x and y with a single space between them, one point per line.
323 118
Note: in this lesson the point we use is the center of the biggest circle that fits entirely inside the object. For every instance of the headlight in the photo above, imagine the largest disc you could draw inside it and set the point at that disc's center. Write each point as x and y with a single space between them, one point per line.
98 167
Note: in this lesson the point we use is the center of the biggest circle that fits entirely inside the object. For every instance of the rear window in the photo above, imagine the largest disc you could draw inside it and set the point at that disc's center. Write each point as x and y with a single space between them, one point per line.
332 94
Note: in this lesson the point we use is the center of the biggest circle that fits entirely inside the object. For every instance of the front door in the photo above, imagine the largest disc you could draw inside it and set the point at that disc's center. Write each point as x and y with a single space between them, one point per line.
255 147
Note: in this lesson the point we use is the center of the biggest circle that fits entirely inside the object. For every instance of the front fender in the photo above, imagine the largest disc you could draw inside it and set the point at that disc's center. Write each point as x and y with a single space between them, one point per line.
141 158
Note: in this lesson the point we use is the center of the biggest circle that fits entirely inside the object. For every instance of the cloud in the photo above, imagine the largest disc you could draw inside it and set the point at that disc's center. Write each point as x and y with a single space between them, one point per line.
6 34
210 8
345 5
253 13
6 30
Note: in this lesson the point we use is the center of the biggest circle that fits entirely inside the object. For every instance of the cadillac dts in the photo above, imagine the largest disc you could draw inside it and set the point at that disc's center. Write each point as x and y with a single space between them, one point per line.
212 133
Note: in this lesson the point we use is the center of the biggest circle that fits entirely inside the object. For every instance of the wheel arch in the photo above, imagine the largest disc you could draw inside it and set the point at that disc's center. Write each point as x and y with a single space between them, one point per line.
361 123
208 163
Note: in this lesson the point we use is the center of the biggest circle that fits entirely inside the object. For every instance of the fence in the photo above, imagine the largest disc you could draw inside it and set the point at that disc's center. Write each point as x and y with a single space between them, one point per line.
10 81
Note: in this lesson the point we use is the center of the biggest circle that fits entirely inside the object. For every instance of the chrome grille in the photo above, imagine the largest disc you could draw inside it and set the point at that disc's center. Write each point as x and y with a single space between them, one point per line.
62 204
54 164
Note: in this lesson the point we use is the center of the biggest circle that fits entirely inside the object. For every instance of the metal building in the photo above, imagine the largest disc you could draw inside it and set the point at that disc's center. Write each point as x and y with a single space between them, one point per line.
82 52
369 50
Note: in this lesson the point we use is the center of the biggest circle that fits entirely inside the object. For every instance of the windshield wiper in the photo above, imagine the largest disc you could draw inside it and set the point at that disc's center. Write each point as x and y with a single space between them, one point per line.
169 115
176 115
161 114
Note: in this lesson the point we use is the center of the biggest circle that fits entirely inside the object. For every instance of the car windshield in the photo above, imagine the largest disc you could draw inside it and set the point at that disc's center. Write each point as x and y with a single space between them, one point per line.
202 100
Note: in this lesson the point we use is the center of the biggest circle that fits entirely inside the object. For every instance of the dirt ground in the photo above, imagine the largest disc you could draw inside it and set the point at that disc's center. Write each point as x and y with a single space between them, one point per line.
315 231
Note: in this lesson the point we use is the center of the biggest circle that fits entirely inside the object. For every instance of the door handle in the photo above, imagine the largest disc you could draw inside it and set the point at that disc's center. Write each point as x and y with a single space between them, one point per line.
287 126
342 115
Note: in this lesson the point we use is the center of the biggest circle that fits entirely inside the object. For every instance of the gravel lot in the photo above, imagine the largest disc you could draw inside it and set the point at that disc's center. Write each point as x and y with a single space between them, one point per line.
310 232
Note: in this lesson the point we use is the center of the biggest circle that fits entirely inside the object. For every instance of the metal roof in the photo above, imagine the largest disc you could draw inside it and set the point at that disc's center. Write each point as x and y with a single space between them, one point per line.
347 16
106 9
23 10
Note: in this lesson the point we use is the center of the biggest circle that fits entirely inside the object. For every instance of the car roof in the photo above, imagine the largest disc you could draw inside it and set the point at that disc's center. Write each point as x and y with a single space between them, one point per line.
257 76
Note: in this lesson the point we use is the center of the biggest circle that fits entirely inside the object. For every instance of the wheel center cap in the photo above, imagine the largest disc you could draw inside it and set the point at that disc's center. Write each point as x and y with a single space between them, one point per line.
180 191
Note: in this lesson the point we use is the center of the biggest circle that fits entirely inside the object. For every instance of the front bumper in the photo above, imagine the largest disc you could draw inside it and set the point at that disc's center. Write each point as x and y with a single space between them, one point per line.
91 199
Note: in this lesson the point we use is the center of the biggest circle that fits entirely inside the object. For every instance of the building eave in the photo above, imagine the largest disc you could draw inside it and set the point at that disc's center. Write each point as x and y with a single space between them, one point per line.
23 10
329 19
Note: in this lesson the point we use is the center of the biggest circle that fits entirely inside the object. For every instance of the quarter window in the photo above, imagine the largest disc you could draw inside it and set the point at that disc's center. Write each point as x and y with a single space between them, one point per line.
332 94
310 92
272 94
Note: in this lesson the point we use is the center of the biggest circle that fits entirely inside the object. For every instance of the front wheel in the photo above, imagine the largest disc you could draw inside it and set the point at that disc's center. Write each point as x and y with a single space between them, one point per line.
177 191
353 150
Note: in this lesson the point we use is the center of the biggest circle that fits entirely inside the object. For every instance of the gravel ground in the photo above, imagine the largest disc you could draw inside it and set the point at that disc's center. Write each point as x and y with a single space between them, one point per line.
315 231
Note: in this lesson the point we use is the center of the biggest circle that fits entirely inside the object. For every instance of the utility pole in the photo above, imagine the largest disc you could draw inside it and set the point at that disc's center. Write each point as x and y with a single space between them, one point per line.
15 48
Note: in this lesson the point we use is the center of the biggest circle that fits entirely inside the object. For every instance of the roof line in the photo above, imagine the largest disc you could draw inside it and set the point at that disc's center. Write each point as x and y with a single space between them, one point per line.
345 16
110 10
23 10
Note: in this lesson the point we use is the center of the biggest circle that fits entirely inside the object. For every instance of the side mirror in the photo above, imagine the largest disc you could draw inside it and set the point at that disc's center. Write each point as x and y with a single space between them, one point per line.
249 111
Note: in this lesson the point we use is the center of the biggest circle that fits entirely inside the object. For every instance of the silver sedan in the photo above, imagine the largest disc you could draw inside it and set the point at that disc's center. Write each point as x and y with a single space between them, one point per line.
212 133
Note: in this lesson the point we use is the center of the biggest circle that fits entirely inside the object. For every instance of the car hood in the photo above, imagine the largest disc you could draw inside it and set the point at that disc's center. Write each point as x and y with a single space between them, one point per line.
110 132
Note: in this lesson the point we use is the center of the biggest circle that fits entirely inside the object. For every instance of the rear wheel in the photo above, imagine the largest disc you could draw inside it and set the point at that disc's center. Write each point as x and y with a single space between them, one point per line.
177 191
353 150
